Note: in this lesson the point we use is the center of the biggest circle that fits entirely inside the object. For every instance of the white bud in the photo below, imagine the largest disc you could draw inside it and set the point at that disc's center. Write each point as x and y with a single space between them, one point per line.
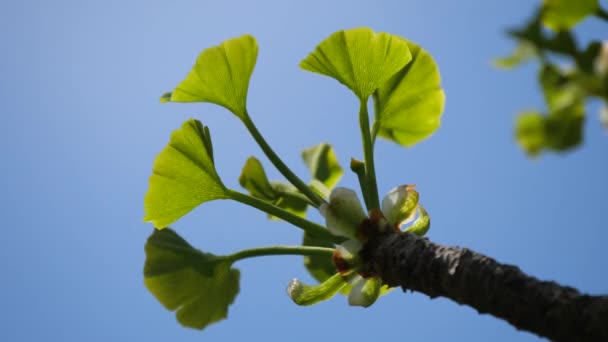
344 213
399 205
365 292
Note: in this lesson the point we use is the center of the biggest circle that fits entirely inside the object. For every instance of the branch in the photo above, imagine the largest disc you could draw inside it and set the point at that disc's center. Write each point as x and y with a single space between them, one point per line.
545 308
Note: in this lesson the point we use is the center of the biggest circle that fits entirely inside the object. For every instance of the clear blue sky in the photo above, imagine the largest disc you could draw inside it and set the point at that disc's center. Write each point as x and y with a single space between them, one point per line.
81 125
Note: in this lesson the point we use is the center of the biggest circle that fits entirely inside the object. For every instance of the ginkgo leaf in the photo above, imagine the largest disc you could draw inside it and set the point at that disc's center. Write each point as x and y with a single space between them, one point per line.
289 199
323 164
408 107
359 58
564 14
303 294
283 195
183 176
199 286
221 76
253 178
422 224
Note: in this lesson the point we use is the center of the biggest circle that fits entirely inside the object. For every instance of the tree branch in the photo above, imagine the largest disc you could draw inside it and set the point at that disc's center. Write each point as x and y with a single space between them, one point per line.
545 308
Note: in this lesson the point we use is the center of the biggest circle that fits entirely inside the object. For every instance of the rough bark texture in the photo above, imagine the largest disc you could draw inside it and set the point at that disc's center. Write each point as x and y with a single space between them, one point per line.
545 308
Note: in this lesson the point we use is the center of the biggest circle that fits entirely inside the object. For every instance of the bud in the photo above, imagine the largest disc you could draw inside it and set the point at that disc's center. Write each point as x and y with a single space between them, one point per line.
344 214
399 205
422 224
365 292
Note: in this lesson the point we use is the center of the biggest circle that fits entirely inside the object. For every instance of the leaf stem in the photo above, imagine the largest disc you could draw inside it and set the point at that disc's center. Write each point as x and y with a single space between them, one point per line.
308 226
278 163
279 250
368 151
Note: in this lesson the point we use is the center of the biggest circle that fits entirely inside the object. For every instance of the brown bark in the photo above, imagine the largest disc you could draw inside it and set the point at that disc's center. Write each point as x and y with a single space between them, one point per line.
545 308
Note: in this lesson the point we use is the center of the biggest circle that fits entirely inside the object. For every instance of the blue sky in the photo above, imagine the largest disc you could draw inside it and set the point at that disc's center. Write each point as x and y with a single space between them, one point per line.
81 125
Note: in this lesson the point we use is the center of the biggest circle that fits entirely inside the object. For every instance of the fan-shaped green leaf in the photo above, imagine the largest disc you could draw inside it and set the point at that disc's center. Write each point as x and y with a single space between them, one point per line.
359 58
564 14
183 176
409 105
221 76
323 164
199 286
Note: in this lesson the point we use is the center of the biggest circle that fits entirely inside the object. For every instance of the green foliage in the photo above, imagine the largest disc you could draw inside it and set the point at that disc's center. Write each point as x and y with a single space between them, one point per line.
408 102
359 58
324 168
565 89
564 14
283 195
303 294
253 178
530 132
199 286
409 105
323 164
562 127
183 176
422 224
221 76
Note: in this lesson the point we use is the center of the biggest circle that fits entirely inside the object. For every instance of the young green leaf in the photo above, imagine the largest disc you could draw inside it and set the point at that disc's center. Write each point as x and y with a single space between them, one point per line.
183 176
253 178
221 76
323 164
283 195
409 106
359 58
303 294
289 199
564 14
422 224
199 286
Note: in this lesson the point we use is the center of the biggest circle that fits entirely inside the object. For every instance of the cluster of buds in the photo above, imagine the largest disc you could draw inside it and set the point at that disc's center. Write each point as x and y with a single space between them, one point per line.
344 216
